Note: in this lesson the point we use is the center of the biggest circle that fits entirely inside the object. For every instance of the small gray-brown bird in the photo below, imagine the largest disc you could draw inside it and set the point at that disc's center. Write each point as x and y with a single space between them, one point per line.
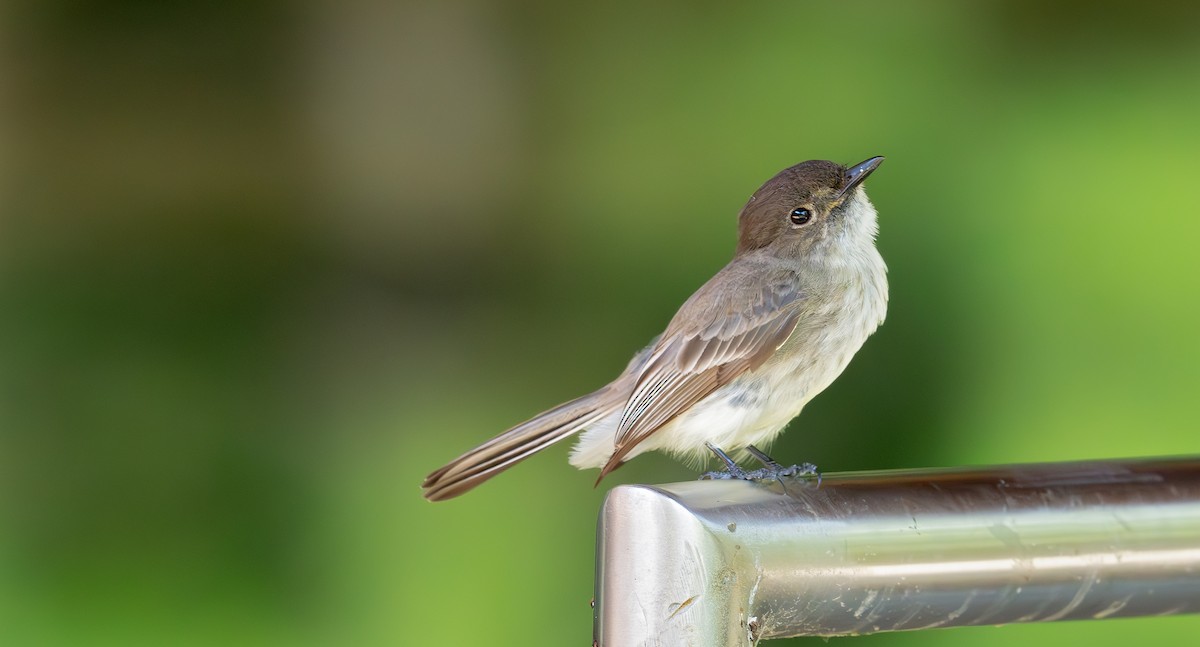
744 354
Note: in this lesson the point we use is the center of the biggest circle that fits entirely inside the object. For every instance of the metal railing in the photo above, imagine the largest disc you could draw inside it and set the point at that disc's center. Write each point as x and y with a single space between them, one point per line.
731 562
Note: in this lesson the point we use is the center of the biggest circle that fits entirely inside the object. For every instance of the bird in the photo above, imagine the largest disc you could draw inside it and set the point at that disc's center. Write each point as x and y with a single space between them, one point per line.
743 355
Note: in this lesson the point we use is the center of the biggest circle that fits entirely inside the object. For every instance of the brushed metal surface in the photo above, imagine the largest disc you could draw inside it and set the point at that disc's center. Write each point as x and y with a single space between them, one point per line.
731 562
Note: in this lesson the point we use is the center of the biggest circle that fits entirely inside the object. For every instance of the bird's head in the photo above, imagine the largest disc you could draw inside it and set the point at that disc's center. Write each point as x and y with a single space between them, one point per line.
812 209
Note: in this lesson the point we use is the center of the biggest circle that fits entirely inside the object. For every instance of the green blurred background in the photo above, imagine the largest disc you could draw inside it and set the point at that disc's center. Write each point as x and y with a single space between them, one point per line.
264 264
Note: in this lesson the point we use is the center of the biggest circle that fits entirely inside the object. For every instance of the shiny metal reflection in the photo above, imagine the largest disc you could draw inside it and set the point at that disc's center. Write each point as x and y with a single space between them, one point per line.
729 562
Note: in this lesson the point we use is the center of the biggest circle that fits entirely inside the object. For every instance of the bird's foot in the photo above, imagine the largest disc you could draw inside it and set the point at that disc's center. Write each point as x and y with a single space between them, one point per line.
770 471
732 471
773 470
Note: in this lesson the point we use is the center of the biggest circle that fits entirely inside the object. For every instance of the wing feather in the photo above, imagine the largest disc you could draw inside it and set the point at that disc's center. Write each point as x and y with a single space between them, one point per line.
716 337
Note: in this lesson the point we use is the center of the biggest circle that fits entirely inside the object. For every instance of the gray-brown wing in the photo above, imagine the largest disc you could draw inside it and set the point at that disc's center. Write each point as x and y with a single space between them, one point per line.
717 335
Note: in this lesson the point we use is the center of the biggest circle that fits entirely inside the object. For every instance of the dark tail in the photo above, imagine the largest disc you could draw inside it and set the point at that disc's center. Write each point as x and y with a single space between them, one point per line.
516 444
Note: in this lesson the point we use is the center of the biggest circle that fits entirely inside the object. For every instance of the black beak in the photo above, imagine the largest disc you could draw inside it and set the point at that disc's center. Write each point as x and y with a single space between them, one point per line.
859 172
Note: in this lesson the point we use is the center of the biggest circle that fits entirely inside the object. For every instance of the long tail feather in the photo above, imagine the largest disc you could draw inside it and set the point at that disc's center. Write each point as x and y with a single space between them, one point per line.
517 444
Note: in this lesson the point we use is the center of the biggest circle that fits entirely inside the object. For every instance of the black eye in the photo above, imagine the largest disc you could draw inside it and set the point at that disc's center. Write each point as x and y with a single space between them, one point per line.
801 216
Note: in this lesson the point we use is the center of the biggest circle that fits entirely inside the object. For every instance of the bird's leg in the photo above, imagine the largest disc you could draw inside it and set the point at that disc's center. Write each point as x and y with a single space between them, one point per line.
770 470
773 470
732 469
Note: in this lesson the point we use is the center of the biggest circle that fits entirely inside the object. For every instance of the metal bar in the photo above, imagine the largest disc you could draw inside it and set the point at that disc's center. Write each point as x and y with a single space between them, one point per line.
731 562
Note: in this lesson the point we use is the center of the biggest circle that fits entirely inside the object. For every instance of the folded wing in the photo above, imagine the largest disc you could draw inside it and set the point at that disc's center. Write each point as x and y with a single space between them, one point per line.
719 334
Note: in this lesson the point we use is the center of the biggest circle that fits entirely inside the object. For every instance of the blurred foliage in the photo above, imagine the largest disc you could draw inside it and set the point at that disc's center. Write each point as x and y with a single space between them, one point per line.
265 264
